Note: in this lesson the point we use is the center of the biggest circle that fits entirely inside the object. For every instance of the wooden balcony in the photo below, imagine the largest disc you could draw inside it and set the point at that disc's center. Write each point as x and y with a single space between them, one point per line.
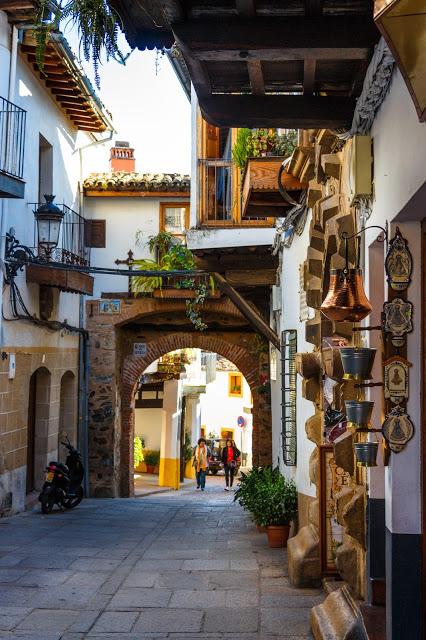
68 281
260 195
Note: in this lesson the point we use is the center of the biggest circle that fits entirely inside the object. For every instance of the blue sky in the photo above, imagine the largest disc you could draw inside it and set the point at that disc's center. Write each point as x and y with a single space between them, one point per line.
149 108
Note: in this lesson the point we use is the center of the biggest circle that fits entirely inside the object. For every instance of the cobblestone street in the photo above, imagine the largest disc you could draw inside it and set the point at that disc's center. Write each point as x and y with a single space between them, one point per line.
174 565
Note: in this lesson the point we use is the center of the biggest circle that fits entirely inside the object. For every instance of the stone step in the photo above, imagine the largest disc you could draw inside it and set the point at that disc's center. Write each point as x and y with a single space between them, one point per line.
338 617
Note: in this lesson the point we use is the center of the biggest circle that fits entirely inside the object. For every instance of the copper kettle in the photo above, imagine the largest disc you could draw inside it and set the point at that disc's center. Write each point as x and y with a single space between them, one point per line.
346 300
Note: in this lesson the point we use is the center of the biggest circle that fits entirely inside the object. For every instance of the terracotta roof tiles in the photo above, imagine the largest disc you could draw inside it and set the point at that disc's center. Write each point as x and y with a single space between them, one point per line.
133 181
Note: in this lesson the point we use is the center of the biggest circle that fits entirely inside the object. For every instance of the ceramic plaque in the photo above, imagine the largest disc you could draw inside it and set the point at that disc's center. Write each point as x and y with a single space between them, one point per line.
396 379
398 263
397 429
398 320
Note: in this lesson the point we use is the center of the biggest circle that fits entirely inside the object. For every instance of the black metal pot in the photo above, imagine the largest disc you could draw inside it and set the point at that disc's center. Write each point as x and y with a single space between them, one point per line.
357 362
366 453
359 411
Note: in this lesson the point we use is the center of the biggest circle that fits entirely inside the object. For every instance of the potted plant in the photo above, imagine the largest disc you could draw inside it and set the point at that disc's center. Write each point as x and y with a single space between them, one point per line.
247 492
138 445
276 506
151 459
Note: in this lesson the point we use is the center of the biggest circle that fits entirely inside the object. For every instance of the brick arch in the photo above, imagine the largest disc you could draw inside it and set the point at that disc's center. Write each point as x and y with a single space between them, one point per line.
134 366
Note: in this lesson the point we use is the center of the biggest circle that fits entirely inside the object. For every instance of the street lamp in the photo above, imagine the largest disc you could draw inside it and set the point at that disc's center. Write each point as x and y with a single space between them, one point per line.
48 217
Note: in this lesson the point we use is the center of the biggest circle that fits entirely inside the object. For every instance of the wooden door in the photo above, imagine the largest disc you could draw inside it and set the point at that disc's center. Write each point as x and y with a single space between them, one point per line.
32 396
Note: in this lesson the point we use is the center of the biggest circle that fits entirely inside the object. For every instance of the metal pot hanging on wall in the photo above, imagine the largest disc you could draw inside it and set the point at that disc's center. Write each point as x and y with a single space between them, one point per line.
366 453
359 412
357 362
346 300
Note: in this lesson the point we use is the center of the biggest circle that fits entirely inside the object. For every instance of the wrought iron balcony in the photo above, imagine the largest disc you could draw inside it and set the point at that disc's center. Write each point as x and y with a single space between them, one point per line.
71 247
12 148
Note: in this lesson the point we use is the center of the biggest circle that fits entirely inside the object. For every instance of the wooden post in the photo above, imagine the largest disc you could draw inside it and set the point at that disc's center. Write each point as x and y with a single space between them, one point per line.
254 318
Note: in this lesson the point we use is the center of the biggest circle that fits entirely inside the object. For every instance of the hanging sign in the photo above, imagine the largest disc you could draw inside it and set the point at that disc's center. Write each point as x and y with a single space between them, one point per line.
397 429
396 379
241 421
398 263
110 307
398 320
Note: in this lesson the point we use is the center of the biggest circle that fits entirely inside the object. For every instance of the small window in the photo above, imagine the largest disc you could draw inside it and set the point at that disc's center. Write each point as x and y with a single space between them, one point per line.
95 234
235 388
174 218
45 168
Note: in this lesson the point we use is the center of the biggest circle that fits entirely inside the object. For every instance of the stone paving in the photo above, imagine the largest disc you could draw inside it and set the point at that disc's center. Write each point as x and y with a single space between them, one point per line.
187 565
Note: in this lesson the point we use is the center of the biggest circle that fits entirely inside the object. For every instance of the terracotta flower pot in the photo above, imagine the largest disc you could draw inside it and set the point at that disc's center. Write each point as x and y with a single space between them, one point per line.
261 529
278 535
150 468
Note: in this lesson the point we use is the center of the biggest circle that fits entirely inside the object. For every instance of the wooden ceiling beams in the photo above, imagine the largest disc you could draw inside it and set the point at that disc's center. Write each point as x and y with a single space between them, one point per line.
291 112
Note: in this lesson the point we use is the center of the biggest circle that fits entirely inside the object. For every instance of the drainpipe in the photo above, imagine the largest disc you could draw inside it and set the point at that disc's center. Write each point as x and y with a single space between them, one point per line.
4 203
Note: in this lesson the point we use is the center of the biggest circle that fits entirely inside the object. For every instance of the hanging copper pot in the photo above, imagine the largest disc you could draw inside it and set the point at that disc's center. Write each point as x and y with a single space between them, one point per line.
346 300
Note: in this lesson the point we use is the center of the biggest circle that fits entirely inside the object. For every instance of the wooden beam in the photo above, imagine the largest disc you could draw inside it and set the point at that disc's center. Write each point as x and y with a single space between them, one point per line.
235 261
309 67
245 8
256 77
287 112
250 314
313 7
251 277
289 38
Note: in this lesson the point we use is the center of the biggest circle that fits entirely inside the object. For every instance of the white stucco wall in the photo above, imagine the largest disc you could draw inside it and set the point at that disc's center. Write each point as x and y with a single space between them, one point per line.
46 118
217 238
124 216
399 143
219 410
148 425
293 257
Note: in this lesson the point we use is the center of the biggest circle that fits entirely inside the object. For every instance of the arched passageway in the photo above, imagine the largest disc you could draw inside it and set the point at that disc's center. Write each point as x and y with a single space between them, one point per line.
39 403
115 370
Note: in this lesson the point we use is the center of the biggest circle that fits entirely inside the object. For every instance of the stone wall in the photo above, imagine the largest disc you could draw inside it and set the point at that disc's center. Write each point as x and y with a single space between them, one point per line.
52 365
115 371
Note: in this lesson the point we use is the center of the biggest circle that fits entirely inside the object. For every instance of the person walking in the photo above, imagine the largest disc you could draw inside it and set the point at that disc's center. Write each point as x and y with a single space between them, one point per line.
230 455
201 463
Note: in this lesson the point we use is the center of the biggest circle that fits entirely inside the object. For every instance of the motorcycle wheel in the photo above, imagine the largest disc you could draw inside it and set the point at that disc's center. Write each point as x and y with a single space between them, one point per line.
47 504
70 503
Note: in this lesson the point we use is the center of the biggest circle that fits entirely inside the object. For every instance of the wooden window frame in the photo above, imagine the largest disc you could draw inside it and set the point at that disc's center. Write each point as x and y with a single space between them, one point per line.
88 233
235 375
174 205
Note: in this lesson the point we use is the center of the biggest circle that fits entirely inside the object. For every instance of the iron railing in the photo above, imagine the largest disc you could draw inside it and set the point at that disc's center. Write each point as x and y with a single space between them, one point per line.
12 139
289 397
71 247
216 202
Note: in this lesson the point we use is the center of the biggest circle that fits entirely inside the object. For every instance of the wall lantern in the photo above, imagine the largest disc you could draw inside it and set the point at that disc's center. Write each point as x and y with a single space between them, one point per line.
48 217
346 300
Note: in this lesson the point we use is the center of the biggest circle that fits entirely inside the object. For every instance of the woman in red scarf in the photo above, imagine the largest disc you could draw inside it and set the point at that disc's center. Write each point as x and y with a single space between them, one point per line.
230 456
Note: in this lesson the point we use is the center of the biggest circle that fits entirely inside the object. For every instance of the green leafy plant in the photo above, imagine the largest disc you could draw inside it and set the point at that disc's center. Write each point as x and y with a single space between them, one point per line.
138 446
241 148
268 496
176 258
151 458
253 143
188 451
285 143
97 24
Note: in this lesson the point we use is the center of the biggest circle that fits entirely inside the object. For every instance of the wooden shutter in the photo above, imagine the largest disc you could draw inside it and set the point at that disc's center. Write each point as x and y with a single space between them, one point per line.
95 234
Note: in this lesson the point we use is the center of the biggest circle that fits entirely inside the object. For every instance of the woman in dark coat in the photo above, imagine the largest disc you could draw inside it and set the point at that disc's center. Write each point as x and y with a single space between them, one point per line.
230 456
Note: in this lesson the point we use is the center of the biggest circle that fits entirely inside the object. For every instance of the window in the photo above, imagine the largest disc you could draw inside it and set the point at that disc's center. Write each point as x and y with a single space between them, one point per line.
174 218
45 168
289 396
227 434
235 385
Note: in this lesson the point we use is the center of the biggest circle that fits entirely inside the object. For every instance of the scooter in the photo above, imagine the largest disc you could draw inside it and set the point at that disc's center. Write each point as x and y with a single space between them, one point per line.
63 482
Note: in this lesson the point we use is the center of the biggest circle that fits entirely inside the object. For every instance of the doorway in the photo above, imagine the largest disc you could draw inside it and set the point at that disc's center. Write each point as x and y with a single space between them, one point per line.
38 424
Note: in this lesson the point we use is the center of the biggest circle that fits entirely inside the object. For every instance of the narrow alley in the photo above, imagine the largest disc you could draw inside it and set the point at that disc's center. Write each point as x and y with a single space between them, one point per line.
187 565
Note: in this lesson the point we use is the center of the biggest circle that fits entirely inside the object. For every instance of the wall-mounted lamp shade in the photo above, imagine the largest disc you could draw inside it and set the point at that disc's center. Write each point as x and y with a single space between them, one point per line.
402 23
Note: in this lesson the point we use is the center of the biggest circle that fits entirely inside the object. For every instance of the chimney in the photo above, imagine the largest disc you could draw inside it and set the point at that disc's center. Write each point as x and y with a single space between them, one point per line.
122 157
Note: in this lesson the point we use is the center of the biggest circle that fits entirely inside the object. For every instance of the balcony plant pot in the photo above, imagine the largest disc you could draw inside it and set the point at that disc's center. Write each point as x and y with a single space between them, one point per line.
359 411
357 362
366 453
278 535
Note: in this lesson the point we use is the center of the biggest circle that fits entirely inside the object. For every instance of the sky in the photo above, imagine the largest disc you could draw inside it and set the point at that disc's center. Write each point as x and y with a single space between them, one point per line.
149 107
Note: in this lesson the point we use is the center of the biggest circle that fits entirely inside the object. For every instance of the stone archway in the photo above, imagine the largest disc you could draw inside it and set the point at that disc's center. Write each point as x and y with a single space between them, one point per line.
114 373
134 366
